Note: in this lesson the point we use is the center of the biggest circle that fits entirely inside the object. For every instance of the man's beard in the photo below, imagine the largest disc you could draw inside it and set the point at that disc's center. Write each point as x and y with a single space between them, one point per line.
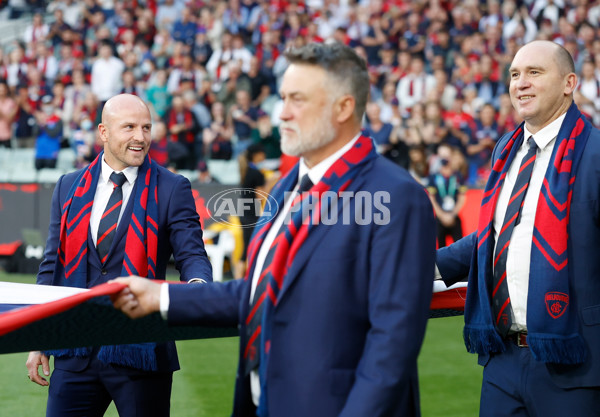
321 133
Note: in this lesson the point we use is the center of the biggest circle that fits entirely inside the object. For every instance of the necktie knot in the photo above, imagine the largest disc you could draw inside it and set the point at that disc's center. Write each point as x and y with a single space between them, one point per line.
118 178
305 184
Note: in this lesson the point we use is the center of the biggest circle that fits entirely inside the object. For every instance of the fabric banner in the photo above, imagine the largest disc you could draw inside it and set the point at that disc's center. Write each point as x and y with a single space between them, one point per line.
39 317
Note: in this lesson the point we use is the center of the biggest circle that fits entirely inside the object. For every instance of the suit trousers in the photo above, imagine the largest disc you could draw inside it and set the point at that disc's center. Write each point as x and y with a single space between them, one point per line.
89 392
515 384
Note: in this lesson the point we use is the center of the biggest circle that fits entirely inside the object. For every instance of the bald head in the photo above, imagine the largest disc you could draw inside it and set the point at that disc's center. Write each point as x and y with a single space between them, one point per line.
125 131
117 104
562 57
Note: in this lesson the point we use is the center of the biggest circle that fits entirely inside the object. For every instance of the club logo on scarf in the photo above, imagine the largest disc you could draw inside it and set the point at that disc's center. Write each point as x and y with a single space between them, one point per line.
556 303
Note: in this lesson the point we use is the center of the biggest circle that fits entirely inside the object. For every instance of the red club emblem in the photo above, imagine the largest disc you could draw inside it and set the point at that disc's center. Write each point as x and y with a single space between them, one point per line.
556 303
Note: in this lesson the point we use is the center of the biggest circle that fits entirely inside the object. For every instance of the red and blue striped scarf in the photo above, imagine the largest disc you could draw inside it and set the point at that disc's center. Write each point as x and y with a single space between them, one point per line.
139 257
552 321
337 179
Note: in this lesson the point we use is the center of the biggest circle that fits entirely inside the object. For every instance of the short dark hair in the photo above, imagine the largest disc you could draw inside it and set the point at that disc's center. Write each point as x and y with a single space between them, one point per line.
342 64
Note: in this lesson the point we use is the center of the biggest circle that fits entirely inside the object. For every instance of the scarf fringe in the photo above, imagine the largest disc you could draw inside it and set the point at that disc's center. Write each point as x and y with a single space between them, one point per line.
138 356
482 340
552 349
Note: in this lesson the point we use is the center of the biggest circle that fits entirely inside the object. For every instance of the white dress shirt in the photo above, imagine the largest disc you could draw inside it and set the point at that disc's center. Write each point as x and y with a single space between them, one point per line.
103 191
519 249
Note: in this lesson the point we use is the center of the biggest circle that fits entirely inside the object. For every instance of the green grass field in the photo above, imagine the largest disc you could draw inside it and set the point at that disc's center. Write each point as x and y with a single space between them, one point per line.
450 378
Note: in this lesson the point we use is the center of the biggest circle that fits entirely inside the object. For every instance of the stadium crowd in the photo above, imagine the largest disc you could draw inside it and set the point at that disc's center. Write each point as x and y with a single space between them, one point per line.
210 72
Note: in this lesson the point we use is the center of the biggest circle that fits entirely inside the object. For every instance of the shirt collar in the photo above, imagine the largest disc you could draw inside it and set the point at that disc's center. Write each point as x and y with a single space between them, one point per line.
129 172
316 173
545 135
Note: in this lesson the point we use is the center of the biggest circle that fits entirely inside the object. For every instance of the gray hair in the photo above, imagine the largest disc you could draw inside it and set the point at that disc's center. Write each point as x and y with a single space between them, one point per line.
344 67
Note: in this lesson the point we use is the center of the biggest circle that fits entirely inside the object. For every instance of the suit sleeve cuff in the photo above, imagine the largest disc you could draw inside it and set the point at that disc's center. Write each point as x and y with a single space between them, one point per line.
164 301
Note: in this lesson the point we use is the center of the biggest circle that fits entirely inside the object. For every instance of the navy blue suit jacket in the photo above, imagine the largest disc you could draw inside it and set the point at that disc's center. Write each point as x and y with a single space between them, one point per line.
454 263
351 314
179 234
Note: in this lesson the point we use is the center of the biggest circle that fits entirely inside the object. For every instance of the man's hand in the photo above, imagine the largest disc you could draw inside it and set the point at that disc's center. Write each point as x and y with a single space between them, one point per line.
34 360
140 298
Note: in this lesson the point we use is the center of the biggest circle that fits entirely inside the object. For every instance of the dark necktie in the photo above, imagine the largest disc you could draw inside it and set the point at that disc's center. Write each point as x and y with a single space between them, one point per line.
108 222
500 296
254 319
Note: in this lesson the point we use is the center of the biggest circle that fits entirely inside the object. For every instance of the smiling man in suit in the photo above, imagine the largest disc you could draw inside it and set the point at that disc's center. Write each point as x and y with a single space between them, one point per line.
333 308
122 214
533 301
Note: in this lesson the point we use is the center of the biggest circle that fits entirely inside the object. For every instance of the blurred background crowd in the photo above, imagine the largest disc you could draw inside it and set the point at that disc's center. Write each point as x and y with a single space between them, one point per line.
210 71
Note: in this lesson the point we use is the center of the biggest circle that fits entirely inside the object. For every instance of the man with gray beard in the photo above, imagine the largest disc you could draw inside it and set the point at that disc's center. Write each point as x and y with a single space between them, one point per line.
333 308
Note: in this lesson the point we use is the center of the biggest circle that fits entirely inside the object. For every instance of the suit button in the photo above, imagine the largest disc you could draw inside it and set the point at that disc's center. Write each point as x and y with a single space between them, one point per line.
104 272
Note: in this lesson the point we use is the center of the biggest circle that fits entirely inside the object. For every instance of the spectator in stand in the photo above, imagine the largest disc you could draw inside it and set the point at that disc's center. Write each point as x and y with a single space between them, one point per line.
236 81
159 98
158 148
130 84
388 103
489 88
16 70
186 77
219 60
37 31
434 130
8 111
204 176
49 135
235 17
56 32
417 165
447 193
25 119
260 83
74 94
507 118
162 48
587 93
444 92
202 49
200 110
375 39
415 86
217 138
182 127
243 55
479 149
267 135
36 86
167 14
185 28
65 63
520 23
107 71
242 116
378 130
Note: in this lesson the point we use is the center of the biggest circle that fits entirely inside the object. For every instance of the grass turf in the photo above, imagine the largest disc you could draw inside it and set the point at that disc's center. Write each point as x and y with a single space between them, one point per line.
449 377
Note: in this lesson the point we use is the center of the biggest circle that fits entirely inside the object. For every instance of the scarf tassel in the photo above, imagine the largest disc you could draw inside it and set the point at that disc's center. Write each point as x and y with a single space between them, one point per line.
482 340
137 356
552 349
